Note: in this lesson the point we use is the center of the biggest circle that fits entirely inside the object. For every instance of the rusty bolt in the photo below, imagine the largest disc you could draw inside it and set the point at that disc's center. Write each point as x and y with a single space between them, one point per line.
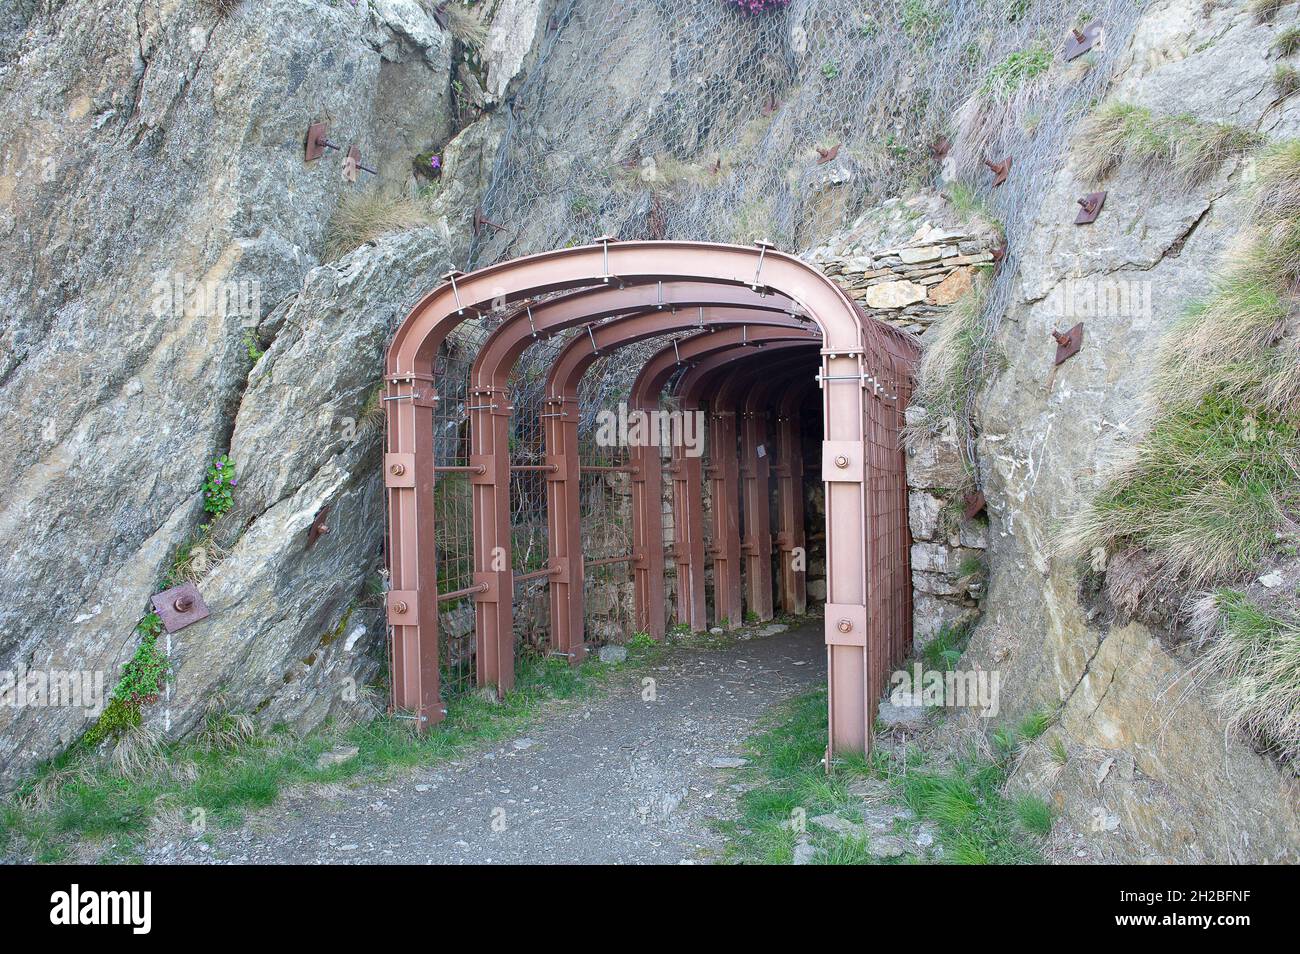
1060 338
841 461
183 603
845 626
397 470
399 607
1079 35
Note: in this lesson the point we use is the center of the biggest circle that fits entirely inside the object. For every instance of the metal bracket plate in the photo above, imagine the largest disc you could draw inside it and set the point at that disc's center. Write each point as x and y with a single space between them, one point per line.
399 470
559 570
490 579
1090 207
846 624
842 461
403 608
482 472
179 607
1068 344
1080 42
974 503
559 464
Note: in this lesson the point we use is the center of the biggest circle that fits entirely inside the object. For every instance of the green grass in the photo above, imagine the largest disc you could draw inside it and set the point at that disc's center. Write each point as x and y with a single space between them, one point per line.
786 762
77 797
1017 69
1257 658
944 651
1286 79
1206 490
977 822
954 362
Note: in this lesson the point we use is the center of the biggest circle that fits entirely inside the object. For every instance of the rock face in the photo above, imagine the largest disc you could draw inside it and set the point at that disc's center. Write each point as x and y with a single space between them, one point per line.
155 207
291 627
1190 791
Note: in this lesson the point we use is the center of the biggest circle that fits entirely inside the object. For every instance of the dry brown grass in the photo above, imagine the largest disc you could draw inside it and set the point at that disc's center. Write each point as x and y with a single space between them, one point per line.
1180 149
463 22
221 8
366 217
139 754
1252 659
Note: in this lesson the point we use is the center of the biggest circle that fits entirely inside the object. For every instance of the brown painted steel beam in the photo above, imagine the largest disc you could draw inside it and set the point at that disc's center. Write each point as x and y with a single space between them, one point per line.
730 553
688 536
562 384
489 428
855 349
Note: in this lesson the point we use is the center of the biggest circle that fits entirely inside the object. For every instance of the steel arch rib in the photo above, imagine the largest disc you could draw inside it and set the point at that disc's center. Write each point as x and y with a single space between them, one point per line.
853 347
688 542
562 453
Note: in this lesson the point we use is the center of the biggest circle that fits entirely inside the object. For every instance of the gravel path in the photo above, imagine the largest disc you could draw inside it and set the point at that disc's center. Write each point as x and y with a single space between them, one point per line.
607 779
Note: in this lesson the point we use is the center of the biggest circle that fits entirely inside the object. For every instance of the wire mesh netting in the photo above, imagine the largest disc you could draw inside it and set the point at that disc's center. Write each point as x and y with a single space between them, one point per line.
697 119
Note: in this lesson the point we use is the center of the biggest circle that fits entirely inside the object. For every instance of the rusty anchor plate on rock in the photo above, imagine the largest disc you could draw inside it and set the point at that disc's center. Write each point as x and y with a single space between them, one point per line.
1080 42
974 504
318 141
1000 170
1068 344
1090 207
179 607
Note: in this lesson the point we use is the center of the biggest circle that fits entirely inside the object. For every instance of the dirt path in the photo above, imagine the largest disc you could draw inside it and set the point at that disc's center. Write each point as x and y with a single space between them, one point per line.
609 779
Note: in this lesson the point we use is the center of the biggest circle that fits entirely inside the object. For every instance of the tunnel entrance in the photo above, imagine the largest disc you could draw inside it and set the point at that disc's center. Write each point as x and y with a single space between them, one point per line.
606 438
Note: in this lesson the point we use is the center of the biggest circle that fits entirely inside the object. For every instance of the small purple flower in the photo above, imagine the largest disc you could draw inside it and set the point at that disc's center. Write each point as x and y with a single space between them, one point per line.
218 465
234 482
435 162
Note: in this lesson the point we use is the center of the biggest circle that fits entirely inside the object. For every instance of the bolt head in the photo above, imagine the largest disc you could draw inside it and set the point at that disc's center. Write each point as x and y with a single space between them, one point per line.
183 604
841 461
399 607
845 626
397 470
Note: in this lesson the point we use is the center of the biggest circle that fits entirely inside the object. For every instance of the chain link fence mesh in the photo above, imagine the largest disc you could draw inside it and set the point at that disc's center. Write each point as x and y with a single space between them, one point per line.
699 120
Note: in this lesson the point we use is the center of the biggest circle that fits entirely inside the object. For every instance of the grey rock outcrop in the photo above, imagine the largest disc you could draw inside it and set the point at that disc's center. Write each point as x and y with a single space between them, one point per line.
153 148
1196 793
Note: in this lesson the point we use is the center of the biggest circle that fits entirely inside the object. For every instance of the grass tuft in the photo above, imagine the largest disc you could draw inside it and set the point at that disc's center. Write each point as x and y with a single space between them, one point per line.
221 8
1015 71
366 217
1286 80
1265 11
1257 656
953 364
1181 148
1034 814
1287 42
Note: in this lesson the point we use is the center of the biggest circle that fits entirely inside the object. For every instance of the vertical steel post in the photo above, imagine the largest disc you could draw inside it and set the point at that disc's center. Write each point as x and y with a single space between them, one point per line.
493 570
564 527
412 600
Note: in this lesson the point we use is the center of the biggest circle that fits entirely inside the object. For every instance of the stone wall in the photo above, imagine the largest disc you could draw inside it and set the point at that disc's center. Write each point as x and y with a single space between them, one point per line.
906 260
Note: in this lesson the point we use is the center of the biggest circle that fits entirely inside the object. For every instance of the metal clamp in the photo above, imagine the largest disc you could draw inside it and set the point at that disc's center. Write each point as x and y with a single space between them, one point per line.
451 277
755 285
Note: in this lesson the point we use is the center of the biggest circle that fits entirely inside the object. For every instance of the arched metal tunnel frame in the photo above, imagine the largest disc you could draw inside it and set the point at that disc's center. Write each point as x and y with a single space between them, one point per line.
743 302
